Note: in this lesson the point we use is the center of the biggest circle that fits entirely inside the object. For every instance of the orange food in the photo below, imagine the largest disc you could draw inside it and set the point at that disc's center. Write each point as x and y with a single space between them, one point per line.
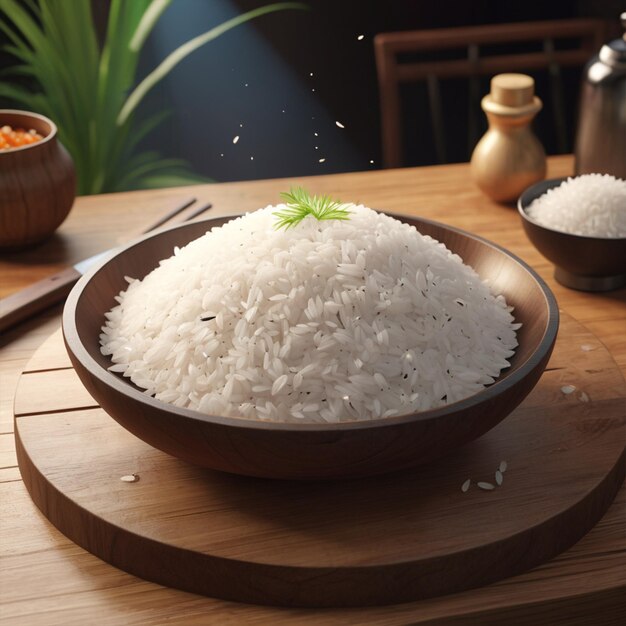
17 137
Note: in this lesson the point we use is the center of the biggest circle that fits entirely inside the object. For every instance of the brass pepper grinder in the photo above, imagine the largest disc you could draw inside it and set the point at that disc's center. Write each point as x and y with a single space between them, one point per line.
509 157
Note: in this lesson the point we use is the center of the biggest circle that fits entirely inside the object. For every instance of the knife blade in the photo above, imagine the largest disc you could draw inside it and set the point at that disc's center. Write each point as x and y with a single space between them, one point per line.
53 289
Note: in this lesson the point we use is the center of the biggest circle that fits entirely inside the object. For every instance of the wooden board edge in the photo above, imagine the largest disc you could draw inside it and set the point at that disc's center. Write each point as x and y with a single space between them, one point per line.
313 587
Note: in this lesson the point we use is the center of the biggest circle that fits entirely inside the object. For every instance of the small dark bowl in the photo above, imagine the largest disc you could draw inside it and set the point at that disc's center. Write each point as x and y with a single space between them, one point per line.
309 451
584 263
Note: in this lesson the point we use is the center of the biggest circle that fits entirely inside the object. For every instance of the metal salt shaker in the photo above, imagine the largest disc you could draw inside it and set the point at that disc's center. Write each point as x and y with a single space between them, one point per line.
601 136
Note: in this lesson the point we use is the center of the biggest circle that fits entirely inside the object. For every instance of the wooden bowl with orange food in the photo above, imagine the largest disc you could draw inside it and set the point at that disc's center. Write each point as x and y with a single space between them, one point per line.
37 179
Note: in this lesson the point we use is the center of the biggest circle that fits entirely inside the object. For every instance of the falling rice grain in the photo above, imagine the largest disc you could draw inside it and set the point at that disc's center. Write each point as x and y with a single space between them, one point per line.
466 485
360 37
339 124
503 466
130 478
235 138
499 477
321 160
486 486
567 389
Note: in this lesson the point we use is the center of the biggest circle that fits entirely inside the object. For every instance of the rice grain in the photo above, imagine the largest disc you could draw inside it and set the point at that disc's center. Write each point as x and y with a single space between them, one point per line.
251 321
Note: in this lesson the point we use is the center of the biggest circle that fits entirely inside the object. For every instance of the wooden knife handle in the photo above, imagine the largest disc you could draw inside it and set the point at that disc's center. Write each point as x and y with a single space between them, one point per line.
37 297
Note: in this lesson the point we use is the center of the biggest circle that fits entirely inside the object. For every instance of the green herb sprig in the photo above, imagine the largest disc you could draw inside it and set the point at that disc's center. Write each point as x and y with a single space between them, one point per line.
301 203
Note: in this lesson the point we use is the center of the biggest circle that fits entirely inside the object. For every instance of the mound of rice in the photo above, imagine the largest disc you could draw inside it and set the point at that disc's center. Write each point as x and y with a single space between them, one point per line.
593 205
328 321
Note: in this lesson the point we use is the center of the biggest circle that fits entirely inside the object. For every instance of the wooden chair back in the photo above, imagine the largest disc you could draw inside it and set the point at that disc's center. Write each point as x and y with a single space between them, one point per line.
562 43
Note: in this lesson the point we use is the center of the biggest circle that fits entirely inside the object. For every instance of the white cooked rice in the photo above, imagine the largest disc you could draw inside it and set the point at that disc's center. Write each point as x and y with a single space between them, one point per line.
592 205
327 321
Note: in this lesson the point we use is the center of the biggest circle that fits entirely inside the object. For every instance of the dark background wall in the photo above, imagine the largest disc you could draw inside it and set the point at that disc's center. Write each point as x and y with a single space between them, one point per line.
259 76
277 81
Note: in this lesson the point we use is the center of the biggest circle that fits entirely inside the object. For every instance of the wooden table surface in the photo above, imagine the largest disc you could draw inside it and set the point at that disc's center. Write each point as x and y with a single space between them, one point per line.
46 579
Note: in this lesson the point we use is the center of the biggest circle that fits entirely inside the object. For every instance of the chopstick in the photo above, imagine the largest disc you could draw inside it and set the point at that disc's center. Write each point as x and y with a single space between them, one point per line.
177 215
198 211
163 219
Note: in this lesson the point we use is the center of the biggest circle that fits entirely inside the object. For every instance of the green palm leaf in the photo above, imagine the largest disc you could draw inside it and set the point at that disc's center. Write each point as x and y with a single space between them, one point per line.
147 23
85 90
171 61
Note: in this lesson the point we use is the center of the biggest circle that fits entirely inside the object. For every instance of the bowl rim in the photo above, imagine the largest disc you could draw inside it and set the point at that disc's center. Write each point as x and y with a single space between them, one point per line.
134 394
51 135
523 202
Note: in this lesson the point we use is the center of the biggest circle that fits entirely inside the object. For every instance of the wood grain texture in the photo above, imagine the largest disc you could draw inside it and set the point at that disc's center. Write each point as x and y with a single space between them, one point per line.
391 539
47 579
53 289
47 385
37 183
37 297
313 450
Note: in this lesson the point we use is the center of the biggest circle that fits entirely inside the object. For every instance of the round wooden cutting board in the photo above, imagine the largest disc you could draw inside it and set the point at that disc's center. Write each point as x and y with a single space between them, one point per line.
390 539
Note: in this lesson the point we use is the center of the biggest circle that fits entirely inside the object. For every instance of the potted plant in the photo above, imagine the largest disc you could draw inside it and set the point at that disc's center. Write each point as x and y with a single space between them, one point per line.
92 93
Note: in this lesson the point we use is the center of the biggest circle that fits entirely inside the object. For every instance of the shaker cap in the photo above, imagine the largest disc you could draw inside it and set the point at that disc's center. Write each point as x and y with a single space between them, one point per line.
614 52
512 94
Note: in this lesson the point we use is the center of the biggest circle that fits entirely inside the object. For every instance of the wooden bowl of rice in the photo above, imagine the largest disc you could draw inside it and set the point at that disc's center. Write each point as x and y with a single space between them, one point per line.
305 450
582 262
